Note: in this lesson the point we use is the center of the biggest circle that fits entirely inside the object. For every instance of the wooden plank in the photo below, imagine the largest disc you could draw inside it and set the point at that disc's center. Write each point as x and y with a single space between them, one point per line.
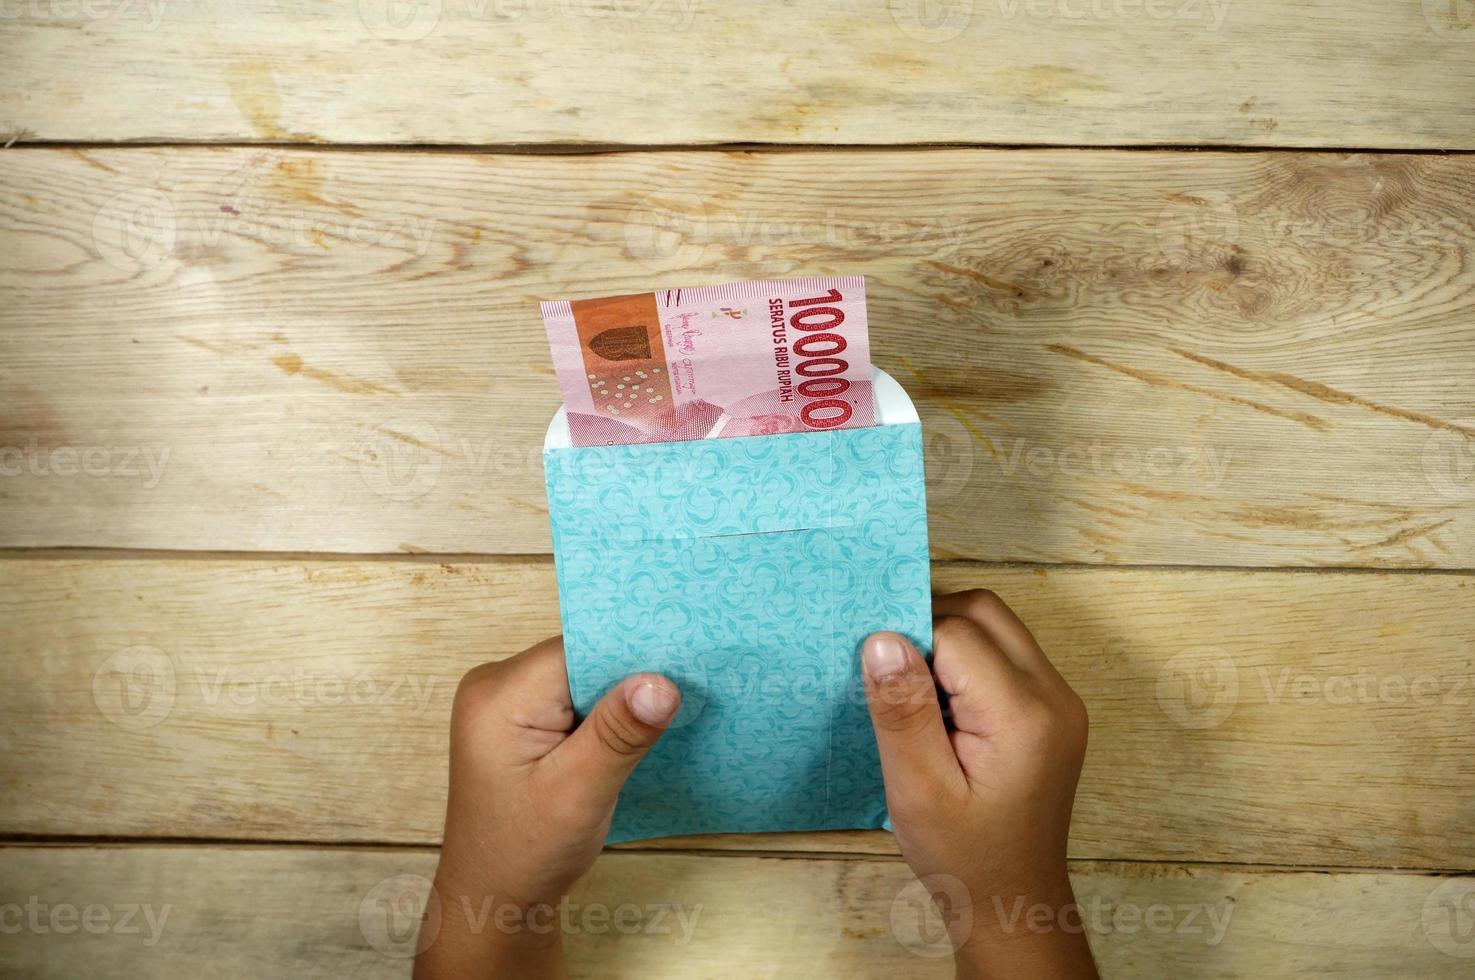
1263 717
1186 358
1249 72
304 912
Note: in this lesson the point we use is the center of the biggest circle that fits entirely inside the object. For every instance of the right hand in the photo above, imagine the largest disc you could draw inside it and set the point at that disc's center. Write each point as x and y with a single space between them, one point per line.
981 803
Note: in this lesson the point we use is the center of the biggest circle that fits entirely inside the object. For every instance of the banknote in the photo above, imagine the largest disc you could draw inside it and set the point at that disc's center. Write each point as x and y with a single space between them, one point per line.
743 359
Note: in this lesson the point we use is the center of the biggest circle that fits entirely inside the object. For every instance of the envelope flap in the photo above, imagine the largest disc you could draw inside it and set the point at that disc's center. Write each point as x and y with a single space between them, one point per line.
720 487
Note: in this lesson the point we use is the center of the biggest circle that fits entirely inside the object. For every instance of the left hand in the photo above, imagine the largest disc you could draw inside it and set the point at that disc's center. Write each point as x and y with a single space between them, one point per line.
531 797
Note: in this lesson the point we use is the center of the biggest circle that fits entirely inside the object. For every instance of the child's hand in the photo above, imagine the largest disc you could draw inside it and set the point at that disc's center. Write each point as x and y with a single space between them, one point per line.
530 803
985 799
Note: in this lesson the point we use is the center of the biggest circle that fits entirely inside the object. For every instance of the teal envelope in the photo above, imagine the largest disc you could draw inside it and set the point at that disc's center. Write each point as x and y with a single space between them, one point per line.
748 571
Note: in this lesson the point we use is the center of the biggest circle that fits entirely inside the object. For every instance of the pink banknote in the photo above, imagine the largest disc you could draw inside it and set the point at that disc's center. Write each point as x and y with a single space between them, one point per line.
750 358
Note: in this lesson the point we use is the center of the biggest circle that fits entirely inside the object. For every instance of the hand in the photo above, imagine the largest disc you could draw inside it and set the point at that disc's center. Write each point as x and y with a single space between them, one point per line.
983 801
530 802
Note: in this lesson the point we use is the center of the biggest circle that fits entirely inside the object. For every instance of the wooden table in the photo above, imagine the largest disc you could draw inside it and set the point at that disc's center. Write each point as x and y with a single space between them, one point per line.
1184 291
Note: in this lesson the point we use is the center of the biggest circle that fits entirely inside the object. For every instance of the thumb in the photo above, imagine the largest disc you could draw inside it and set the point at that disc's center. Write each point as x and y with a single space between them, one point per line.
916 753
605 748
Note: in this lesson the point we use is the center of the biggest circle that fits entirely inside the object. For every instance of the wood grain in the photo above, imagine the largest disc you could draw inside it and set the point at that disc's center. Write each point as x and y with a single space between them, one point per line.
1248 72
1260 717
1200 358
304 912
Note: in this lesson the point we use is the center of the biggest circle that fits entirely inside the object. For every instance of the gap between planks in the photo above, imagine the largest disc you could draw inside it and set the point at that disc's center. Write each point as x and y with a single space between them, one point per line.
539 558
598 149
20 842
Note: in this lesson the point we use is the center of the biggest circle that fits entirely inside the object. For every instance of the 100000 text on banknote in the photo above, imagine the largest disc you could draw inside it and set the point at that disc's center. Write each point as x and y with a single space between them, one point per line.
745 359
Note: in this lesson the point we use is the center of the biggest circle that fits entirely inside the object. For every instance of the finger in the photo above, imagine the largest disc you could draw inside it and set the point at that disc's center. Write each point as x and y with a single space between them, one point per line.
1000 624
602 752
538 687
530 689
978 678
916 755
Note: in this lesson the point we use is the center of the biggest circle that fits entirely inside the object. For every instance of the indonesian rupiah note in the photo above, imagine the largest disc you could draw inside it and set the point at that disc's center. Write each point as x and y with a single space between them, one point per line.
749 358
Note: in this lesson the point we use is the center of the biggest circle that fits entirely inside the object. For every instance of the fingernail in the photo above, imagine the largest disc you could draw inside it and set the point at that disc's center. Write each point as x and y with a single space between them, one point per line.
884 654
653 703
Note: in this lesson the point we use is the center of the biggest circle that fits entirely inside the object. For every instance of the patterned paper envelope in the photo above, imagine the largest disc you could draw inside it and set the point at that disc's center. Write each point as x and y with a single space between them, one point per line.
748 571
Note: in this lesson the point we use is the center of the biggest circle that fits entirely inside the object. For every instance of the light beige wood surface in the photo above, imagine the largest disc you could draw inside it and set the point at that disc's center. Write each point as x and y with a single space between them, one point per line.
1236 359
304 912
1236 72
1153 358
1302 718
